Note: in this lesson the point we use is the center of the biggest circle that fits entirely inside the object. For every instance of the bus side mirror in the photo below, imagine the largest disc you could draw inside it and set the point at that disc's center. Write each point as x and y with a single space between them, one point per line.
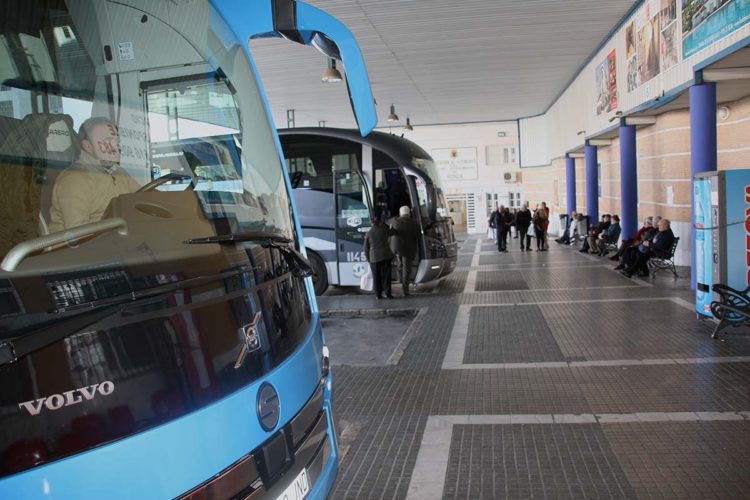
305 24
333 38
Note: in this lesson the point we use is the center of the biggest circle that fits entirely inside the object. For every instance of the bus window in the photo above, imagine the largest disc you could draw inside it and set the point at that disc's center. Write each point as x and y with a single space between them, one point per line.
315 175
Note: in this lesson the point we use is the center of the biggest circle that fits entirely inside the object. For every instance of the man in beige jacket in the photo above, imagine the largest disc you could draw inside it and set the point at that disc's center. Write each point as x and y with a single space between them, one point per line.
83 191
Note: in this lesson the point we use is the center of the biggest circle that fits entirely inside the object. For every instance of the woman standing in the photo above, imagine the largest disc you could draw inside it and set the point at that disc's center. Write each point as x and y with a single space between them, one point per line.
540 222
546 225
379 255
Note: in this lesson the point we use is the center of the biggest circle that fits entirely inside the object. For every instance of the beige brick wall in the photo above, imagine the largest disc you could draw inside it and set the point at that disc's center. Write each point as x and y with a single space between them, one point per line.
663 151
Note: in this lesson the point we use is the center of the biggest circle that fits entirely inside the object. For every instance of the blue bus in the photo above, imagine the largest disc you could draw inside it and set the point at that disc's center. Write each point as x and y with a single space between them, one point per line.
159 335
341 180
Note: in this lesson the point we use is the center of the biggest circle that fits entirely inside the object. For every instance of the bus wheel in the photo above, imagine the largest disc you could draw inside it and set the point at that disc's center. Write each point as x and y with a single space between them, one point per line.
320 276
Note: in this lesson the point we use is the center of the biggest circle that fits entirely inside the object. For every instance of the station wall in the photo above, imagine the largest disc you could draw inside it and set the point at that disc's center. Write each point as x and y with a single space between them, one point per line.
663 156
489 179
663 149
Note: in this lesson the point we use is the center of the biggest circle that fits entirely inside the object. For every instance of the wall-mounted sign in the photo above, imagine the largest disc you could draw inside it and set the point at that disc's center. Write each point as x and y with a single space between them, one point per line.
706 21
456 164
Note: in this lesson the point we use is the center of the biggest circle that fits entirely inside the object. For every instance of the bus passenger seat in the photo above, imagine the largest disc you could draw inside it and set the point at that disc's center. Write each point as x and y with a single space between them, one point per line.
32 153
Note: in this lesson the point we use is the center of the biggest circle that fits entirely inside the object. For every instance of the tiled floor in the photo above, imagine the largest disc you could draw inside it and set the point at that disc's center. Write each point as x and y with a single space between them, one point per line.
546 375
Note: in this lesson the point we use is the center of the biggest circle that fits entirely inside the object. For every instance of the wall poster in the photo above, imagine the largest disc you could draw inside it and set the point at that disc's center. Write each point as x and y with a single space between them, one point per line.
606 84
651 42
706 21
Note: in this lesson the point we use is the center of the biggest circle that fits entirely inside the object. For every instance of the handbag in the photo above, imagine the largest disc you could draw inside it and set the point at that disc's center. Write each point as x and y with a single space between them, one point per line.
490 234
366 281
530 231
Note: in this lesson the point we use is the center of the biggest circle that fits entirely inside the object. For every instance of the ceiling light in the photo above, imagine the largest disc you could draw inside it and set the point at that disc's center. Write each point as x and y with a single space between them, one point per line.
393 117
331 74
408 124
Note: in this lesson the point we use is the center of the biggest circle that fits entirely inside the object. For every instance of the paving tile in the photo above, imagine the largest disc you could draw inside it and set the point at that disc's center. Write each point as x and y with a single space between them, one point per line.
533 461
500 280
684 459
503 335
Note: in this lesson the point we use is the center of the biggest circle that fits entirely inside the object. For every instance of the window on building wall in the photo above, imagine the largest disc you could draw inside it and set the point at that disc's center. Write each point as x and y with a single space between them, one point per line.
494 154
492 199
514 200
500 155
599 178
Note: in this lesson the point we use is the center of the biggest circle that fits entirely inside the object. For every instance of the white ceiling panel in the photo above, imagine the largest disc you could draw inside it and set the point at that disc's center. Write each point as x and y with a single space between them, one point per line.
443 61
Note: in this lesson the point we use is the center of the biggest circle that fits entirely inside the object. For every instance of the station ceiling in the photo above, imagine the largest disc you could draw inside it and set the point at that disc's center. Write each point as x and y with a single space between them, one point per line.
443 61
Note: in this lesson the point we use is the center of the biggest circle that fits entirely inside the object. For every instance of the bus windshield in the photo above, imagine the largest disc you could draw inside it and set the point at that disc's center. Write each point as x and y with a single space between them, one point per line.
431 189
109 174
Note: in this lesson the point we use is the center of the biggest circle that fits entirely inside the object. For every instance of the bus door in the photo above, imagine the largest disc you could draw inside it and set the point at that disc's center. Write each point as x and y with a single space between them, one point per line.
353 220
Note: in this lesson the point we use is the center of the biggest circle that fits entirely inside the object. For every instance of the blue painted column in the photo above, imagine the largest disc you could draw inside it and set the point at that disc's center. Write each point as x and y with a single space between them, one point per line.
703 154
592 184
628 182
570 183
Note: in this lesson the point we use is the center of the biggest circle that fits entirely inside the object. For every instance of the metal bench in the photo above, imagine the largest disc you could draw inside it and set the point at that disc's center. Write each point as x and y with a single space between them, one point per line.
659 262
732 308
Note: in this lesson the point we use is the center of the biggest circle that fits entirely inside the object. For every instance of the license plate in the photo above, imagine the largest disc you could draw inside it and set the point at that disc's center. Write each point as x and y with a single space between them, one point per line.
299 488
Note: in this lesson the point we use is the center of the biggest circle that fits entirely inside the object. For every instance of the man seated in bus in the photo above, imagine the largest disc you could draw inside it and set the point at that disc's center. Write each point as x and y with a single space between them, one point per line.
84 190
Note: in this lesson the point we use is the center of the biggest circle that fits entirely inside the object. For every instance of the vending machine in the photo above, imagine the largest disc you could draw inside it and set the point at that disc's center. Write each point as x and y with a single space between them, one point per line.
721 218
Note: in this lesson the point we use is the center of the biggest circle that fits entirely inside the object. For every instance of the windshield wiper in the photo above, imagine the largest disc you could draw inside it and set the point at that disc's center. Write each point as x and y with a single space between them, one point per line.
298 263
89 313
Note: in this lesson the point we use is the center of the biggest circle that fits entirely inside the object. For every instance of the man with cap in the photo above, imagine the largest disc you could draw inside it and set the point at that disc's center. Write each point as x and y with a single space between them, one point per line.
404 244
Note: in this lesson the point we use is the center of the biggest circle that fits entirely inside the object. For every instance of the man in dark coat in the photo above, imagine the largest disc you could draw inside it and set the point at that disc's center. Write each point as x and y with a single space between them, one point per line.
660 246
379 256
504 221
523 221
405 244
494 220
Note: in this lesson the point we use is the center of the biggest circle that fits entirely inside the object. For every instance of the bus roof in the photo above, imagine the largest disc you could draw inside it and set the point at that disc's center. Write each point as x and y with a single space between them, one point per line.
400 149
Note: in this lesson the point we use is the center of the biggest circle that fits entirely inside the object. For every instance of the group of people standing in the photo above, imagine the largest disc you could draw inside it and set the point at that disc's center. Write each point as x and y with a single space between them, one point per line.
398 238
526 223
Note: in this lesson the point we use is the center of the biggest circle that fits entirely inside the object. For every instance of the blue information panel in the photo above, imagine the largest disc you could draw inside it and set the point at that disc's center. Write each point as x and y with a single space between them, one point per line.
703 244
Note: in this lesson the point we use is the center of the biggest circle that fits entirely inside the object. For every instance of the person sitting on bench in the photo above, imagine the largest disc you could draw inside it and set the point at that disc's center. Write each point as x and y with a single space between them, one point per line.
607 237
568 233
660 246
594 233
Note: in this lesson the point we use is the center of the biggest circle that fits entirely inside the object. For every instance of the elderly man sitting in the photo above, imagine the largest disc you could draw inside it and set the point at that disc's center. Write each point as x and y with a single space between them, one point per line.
659 246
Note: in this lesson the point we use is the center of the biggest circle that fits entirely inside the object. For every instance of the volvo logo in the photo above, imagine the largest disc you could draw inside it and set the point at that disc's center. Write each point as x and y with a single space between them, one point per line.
268 406
68 398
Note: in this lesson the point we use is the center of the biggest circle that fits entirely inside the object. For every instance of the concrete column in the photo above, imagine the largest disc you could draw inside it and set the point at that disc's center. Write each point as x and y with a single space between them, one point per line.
570 183
592 184
703 147
628 182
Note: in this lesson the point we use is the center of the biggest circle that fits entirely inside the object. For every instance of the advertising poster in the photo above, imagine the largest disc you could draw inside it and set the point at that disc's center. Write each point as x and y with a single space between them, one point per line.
652 42
456 163
606 84
706 21
669 42
737 198
648 47
630 57
703 248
